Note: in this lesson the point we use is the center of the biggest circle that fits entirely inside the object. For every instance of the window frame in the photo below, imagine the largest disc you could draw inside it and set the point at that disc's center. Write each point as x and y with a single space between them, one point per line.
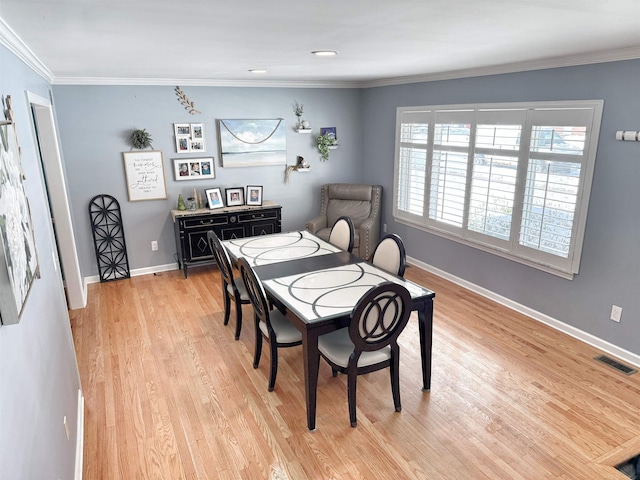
589 113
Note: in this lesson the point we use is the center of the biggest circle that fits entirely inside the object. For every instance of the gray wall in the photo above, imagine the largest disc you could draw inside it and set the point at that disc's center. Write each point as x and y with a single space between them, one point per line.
610 266
95 122
39 378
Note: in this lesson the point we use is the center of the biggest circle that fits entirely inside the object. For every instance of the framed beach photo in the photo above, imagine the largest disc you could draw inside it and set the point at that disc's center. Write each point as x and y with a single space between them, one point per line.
214 198
235 196
252 142
254 195
193 168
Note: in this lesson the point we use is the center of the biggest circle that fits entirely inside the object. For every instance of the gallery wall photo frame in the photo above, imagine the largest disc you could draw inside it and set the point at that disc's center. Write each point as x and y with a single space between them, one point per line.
252 142
194 168
144 171
214 198
235 196
254 195
18 256
189 137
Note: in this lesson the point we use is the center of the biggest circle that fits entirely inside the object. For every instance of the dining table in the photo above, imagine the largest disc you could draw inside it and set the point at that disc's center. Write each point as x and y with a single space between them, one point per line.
316 285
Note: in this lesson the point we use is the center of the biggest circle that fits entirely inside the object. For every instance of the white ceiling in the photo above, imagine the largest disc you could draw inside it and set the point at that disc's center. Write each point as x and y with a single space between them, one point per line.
393 41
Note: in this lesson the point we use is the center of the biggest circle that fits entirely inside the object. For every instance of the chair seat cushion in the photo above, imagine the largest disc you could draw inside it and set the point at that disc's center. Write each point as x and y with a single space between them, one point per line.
285 332
244 297
337 347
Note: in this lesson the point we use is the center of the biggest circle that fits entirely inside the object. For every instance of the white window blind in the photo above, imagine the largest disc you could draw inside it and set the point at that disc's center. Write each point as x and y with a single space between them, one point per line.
509 178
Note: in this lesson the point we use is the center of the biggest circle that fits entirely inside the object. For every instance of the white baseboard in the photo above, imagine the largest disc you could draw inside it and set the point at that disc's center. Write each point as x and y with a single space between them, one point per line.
139 271
534 314
79 437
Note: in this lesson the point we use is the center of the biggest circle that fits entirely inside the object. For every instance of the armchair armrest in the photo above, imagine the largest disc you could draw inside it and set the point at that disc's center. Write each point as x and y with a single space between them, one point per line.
316 223
369 236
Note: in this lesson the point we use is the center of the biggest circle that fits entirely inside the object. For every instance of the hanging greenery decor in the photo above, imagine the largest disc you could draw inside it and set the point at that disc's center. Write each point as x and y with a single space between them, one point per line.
324 143
140 139
186 103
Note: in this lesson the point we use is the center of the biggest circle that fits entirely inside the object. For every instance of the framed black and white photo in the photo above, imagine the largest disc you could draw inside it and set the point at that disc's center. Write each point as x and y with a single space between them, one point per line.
193 168
254 195
235 196
18 257
214 198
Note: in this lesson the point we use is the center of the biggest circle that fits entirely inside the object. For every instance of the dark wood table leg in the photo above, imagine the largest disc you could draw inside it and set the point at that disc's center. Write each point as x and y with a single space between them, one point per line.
425 325
311 366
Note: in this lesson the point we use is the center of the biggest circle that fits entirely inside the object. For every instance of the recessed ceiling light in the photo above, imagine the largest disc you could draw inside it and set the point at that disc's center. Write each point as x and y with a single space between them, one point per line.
258 70
325 53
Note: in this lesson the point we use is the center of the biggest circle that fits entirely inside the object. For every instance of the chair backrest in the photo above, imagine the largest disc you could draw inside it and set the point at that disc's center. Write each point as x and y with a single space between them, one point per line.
390 255
255 291
379 317
356 201
221 256
342 234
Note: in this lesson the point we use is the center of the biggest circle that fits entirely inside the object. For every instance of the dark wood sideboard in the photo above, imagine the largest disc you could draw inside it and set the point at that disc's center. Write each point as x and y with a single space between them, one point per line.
232 222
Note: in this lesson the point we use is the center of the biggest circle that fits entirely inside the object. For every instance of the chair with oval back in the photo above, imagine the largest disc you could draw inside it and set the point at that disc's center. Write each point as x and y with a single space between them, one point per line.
342 234
270 324
232 288
370 342
390 255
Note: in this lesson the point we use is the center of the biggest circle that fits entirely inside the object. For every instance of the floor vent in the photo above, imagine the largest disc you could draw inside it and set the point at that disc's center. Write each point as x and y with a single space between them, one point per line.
615 364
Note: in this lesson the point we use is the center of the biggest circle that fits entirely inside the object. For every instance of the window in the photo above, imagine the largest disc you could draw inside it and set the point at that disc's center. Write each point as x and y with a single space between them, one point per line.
513 179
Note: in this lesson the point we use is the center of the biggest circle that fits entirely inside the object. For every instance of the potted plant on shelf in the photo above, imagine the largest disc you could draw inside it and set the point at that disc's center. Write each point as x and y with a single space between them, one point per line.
325 142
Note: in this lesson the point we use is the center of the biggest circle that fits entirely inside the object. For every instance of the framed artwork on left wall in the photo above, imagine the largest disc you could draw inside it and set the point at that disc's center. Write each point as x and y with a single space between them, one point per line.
18 256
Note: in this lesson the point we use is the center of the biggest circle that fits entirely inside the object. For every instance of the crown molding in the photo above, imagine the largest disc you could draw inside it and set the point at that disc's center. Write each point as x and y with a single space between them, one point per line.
204 83
629 53
14 43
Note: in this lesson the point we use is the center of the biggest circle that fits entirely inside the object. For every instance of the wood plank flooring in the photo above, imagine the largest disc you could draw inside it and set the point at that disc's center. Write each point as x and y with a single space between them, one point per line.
170 395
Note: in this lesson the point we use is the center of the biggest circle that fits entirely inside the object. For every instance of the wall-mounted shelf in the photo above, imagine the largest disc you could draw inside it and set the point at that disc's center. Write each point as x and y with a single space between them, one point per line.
303 130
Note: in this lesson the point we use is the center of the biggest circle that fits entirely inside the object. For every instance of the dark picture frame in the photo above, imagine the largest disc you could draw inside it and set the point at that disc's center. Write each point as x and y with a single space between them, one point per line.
254 195
331 131
214 198
235 196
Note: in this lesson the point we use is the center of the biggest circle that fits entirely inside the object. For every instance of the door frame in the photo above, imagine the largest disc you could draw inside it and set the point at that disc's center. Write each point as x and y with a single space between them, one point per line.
43 122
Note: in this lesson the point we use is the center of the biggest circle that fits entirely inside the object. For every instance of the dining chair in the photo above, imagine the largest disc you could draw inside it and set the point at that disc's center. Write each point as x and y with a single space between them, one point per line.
389 255
342 234
370 342
270 324
232 288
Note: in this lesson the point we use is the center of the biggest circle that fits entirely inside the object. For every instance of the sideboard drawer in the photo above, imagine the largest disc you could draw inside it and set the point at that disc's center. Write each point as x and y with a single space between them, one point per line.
209 221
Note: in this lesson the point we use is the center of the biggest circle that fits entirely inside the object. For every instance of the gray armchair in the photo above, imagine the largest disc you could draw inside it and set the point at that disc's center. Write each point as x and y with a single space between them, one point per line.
361 203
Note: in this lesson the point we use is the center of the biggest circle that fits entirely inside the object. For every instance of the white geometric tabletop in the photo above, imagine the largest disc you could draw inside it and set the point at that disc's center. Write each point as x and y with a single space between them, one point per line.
279 247
334 291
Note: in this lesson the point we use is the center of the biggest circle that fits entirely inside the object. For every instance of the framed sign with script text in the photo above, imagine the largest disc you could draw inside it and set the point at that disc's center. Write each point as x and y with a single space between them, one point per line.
145 175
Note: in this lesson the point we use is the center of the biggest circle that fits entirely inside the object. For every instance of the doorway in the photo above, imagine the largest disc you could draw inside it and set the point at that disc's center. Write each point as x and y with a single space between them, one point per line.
44 131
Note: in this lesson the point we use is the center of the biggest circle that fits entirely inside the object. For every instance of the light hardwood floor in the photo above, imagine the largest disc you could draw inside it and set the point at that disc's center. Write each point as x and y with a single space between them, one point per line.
169 395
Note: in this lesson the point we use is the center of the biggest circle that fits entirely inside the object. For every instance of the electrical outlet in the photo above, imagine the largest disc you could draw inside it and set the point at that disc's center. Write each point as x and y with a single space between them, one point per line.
154 245
616 313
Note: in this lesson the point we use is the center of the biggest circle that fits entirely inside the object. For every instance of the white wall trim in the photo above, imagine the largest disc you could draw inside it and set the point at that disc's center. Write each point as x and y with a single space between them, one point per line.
629 53
14 43
79 437
534 314
139 271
